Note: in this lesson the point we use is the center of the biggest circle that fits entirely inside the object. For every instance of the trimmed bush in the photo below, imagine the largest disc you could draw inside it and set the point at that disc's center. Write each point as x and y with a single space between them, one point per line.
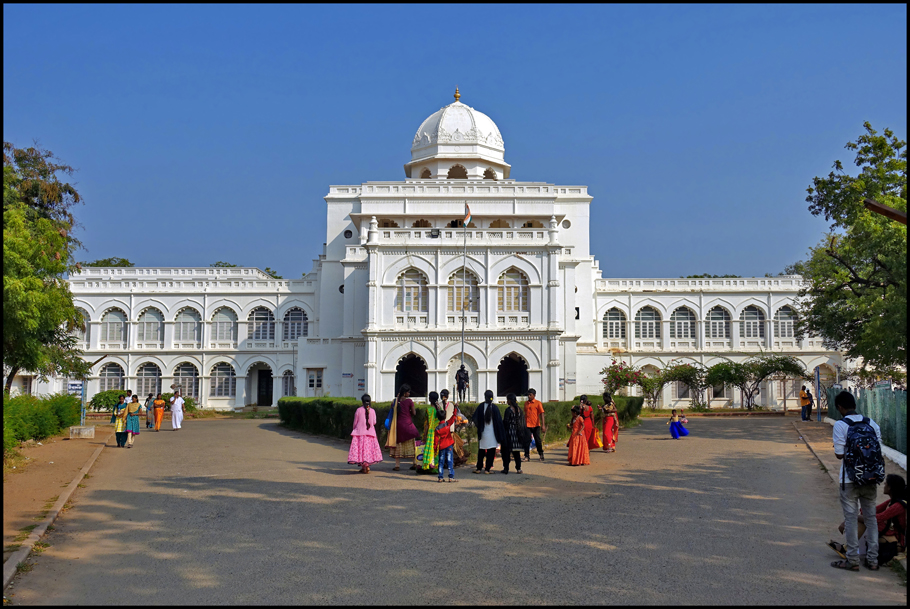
27 417
334 417
105 400
189 404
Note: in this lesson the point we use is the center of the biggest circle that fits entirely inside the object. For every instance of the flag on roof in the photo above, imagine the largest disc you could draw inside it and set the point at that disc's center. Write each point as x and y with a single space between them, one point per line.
467 218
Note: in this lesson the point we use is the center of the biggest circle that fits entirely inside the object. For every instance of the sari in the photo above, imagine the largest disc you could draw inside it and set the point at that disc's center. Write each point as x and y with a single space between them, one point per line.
159 413
611 428
430 452
578 444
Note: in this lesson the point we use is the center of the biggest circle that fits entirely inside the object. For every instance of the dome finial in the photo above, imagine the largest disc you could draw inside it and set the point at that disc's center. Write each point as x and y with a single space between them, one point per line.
457 94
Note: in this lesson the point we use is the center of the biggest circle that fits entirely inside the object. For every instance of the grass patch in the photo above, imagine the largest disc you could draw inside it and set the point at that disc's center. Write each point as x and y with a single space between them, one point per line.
50 528
80 485
41 516
40 547
822 467
24 532
12 547
86 476
23 567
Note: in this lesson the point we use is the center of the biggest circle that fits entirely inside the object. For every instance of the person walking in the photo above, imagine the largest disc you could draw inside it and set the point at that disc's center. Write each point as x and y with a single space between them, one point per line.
611 423
516 435
149 411
857 445
118 418
177 410
159 411
132 420
578 441
534 419
804 404
364 446
587 413
490 432
435 415
676 428
401 444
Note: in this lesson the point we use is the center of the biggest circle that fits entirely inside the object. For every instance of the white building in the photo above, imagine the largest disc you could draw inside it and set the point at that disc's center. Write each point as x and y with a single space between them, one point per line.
382 303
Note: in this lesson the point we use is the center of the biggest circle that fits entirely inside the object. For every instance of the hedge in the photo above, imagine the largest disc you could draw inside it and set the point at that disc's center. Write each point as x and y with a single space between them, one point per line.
27 417
334 417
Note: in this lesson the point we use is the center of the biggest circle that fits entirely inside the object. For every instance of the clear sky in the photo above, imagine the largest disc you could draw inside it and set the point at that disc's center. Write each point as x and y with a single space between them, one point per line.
205 133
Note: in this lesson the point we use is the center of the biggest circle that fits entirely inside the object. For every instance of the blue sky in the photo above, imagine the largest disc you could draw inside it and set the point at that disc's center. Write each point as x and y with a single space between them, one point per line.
205 133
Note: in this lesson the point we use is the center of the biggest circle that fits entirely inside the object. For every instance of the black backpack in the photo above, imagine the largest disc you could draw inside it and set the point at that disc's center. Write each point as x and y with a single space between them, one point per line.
863 461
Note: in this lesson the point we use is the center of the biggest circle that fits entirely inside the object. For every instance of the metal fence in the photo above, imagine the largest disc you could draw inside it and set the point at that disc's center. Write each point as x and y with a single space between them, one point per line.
886 407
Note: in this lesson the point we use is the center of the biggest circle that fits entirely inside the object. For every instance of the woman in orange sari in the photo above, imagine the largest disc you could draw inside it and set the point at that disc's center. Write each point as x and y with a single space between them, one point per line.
159 411
578 441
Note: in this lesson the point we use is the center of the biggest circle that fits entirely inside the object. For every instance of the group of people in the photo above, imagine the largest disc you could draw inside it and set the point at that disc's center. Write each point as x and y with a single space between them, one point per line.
583 436
127 411
805 403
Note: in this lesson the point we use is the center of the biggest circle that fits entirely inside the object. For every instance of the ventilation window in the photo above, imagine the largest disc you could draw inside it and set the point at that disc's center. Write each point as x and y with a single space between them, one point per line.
421 224
426 174
489 174
532 224
348 234
386 223
499 224
457 172
566 224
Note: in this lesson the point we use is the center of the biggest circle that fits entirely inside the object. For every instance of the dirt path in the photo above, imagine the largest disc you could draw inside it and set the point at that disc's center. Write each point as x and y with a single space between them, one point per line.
39 477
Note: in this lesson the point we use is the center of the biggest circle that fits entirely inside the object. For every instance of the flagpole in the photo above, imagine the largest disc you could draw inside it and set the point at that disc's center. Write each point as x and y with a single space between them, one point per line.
464 282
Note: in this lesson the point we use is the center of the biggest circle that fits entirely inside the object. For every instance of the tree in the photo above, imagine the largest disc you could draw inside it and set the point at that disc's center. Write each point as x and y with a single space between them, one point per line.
619 375
692 375
651 388
274 274
223 265
748 376
855 292
866 376
38 312
110 262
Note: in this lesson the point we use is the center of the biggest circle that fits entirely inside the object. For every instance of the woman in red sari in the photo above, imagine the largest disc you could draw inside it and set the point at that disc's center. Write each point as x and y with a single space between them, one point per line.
578 441
611 424
587 414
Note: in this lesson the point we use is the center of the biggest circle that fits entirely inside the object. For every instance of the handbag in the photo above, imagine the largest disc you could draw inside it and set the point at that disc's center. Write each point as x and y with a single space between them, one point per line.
388 418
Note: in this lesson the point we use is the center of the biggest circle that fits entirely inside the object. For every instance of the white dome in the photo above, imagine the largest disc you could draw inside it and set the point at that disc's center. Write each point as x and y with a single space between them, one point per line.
458 123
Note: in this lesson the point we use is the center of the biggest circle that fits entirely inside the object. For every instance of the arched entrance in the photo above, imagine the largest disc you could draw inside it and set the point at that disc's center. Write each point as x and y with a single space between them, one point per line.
413 371
512 376
259 384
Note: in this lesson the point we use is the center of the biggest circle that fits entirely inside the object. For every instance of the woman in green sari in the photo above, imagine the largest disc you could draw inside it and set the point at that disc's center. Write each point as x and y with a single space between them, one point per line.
434 418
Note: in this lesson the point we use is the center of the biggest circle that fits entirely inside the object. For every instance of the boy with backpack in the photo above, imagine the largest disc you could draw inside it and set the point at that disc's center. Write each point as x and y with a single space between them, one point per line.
857 444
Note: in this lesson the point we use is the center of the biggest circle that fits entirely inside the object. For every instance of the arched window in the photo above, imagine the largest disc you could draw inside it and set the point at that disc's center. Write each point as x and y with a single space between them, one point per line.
718 323
421 224
386 223
532 224
186 377
111 377
614 324
783 322
150 326
752 323
261 324
413 294
457 172
82 332
113 326
489 174
186 326
224 381
464 291
224 325
148 380
682 323
460 224
513 291
295 324
647 323
288 386
499 223
426 174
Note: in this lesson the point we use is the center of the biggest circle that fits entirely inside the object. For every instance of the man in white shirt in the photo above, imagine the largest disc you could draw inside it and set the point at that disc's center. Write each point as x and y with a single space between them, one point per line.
176 410
851 494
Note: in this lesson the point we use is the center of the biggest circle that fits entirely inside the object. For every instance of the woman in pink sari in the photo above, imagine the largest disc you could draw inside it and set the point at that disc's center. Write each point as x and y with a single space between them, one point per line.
364 446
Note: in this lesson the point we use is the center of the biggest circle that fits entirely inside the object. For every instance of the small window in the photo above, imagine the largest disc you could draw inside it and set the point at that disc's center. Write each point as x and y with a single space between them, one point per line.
719 392
457 172
421 224
566 224
426 174
532 224
499 224
386 223
348 234
489 174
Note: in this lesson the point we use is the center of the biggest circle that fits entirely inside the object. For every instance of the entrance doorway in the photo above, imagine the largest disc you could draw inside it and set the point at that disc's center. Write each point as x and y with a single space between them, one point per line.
512 376
264 387
413 371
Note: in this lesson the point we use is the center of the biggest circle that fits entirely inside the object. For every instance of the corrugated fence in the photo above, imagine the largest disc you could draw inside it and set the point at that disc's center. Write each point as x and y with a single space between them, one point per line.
883 405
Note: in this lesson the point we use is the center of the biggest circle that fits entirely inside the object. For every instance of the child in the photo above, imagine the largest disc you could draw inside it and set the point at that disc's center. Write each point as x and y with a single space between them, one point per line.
578 441
682 416
445 446
676 428
364 445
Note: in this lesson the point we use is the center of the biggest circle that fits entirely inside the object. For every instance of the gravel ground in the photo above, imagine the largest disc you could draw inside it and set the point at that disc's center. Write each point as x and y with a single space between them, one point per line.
243 511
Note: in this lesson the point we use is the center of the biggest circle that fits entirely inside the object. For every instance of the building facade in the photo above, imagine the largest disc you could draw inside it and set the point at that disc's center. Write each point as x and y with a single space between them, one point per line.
401 279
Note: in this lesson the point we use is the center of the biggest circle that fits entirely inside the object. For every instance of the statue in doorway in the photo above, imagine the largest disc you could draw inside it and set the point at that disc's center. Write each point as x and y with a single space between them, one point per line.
462 383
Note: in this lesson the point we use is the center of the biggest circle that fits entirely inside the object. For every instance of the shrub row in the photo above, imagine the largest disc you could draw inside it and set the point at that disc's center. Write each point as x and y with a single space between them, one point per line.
27 417
106 400
334 417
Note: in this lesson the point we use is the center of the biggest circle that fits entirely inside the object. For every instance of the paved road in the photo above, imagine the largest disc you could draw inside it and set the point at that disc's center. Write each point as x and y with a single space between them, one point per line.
242 511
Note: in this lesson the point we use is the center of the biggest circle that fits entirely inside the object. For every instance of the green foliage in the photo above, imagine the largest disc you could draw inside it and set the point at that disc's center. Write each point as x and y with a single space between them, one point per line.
866 376
855 295
38 312
707 276
748 376
27 417
652 387
618 375
189 404
110 262
693 375
274 274
223 265
105 400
